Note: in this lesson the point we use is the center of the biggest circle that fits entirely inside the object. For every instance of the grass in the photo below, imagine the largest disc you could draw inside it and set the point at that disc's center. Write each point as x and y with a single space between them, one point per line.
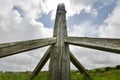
108 75
75 75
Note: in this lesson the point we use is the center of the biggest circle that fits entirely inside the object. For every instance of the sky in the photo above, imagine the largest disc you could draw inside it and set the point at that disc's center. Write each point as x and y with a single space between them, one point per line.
34 19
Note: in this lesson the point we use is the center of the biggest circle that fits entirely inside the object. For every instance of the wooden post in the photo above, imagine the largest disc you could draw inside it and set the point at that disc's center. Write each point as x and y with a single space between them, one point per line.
59 67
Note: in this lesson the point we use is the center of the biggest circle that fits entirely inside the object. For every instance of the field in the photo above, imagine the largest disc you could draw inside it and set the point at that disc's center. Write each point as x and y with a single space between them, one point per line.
75 75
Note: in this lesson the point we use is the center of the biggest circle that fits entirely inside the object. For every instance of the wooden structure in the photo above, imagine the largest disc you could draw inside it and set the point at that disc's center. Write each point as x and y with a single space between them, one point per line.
58 52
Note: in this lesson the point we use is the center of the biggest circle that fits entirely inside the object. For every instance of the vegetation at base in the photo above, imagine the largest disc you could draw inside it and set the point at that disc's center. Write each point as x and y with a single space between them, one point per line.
118 67
96 74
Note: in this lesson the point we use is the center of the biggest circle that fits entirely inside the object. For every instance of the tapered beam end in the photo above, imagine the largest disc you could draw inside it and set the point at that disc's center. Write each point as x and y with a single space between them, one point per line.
61 7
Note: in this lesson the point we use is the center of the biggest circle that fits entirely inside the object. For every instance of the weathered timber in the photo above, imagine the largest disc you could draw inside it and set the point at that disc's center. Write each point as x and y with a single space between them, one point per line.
41 64
8 49
60 14
59 67
77 64
104 44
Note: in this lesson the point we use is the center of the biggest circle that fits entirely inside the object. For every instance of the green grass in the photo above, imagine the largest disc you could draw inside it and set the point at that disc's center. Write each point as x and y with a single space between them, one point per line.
108 75
75 75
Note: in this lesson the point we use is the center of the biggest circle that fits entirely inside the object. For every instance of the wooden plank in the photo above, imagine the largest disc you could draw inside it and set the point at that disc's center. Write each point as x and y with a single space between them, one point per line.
41 63
77 64
59 67
104 44
12 48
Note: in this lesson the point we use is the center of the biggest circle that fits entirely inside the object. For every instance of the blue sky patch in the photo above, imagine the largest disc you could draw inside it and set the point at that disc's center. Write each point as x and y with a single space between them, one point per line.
46 20
103 11
19 10
79 18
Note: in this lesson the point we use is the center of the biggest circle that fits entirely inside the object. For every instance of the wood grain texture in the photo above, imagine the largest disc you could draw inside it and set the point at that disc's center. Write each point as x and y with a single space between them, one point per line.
59 58
104 44
8 49
41 63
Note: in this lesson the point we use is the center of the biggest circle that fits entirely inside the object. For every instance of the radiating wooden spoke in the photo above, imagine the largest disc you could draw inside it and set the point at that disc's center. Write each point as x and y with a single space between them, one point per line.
77 64
8 49
41 64
104 44
80 68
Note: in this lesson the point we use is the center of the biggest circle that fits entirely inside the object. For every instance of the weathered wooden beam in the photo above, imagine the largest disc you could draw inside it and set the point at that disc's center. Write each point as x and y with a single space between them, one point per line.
80 68
104 44
41 63
59 67
12 48
77 64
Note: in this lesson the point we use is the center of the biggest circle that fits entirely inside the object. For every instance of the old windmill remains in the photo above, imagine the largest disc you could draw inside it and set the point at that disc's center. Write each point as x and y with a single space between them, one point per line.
58 52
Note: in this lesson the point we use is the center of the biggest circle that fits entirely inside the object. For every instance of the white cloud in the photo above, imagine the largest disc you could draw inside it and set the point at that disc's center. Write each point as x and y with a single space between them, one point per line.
112 25
94 58
78 5
83 30
14 27
22 27
26 61
91 58
72 6
94 12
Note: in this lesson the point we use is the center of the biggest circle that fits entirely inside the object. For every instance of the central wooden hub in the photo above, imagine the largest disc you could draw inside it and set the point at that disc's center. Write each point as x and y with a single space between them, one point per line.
59 55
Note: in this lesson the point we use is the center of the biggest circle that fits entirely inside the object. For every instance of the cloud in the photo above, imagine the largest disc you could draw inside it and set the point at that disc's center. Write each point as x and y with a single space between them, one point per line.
14 27
111 26
26 61
91 58
72 6
85 29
